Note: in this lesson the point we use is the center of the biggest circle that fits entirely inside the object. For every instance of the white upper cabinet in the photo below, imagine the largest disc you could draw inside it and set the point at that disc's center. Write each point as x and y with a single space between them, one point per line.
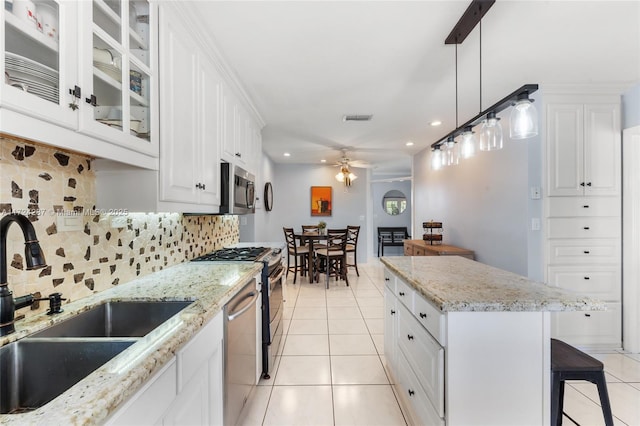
86 67
583 148
118 75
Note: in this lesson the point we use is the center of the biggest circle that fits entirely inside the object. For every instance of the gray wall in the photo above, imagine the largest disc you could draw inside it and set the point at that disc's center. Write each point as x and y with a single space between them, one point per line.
291 202
631 107
262 218
381 218
484 202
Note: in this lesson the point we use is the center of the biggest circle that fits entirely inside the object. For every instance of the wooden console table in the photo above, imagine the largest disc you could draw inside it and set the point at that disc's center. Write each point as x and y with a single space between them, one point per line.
422 248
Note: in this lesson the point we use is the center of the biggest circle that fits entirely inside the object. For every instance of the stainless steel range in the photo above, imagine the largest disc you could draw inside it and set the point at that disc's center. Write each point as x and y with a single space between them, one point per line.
272 303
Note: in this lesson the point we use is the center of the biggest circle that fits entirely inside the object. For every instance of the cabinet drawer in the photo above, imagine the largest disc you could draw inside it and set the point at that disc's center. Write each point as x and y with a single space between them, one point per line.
430 318
583 206
584 251
586 227
425 356
599 282
592 329
408 386
419 251
408 250
390 280
404 293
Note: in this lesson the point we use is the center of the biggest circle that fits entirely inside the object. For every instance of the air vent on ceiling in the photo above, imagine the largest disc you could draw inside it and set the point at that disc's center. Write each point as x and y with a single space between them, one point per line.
357 117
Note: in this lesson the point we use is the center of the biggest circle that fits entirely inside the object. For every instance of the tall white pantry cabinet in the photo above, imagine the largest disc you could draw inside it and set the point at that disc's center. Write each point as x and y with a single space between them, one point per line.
582 207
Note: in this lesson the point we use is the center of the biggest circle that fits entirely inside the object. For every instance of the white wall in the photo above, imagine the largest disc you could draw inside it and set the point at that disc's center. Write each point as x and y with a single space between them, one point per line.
484 202
381 218
631 107
292 202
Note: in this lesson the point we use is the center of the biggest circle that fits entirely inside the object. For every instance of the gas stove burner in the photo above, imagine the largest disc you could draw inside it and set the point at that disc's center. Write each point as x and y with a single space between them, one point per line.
247 254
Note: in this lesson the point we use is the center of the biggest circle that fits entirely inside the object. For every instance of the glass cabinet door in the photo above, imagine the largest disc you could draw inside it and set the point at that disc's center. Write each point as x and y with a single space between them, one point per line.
121 74
40 59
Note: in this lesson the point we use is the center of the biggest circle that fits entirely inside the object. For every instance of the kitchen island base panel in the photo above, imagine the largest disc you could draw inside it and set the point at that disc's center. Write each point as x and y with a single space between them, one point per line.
498 368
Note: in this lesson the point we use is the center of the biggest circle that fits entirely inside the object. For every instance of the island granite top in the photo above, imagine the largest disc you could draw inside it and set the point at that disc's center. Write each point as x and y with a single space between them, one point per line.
453 283
92 400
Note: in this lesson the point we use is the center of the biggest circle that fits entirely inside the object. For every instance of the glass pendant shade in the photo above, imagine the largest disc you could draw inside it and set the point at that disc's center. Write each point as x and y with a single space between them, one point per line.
491 133
468 144
436 159
524 119
452 154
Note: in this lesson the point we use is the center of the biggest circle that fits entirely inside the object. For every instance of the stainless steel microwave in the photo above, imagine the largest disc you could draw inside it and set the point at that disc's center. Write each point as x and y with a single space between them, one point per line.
237 190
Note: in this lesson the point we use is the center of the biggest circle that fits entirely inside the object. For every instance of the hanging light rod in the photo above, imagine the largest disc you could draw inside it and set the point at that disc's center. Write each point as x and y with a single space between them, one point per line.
499 106
468 21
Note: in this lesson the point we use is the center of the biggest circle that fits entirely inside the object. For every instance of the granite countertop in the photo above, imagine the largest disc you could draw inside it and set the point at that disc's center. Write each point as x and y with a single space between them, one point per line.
92 400
453 283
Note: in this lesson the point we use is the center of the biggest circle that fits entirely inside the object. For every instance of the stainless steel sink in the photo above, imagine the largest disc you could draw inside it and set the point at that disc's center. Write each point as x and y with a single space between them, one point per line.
116 319
35 371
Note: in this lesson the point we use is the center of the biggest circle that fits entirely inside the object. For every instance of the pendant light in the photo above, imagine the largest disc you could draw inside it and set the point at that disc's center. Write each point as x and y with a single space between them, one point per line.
491 133
524 118
468 143
452 152
436 158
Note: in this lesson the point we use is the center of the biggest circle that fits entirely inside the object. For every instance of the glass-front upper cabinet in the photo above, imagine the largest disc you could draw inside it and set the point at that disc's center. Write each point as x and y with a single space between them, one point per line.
118 76
40 69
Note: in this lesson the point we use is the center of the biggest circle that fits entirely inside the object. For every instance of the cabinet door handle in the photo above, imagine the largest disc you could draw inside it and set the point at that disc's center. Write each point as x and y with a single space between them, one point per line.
410 337
587 278
76 92
581 183
586 252
401 293
585 206
586 228
199 185
587 315
393 312
93 101
588 183
411 393
204 186
386 279
423 315
238 155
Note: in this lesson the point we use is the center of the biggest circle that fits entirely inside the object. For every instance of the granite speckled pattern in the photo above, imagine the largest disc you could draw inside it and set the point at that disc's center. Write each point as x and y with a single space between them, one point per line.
210 284
453 283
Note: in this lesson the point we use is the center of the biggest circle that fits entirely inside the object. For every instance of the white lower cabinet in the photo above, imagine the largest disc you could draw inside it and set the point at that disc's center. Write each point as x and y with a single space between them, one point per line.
591 329
188 389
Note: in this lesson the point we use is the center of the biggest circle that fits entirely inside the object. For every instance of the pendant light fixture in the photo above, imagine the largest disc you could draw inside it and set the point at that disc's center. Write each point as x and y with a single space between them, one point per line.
436 158
491 133
524 118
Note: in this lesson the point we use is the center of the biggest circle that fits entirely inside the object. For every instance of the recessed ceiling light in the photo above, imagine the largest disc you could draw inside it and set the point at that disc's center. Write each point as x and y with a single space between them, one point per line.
435 123
409 143
286 154
323 161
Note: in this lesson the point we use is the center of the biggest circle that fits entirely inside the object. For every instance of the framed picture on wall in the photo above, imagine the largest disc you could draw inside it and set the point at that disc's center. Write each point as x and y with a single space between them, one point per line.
321 201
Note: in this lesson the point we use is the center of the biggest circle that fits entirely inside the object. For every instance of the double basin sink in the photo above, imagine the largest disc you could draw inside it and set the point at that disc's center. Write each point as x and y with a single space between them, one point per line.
38 368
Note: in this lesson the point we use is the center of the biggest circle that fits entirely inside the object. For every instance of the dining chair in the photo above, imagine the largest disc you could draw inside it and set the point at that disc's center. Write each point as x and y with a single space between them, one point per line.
352 247
298 252
314 229
334 255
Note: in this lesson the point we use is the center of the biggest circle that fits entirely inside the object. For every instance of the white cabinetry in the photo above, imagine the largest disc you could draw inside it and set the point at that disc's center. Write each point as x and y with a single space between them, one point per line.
583 213
465 368
188 389
189 159
98 79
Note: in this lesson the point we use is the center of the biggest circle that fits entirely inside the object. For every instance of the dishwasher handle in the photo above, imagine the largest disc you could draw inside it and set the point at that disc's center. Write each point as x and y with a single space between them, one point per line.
253 296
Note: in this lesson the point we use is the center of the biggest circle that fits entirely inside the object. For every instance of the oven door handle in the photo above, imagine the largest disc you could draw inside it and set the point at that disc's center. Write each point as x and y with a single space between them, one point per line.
277 276
253 295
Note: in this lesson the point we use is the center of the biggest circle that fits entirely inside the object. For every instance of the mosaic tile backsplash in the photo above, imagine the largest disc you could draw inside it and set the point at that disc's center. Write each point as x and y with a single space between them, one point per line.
112 248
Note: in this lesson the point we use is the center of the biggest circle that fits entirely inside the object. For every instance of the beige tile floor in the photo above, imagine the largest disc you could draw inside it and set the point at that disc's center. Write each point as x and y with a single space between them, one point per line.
331 369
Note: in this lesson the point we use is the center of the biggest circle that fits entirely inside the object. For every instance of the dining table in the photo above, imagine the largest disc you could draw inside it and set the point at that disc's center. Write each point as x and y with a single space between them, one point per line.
310 238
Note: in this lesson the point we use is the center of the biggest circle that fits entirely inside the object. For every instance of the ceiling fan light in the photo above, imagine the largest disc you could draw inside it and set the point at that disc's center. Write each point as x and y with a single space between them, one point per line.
491 133
340 177
523 122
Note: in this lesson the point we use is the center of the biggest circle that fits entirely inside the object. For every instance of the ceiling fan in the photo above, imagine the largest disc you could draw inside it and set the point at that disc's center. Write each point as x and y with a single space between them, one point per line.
345 174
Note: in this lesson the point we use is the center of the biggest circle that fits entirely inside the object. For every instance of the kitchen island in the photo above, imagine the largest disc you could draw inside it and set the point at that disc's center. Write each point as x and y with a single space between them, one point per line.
469 344
102 393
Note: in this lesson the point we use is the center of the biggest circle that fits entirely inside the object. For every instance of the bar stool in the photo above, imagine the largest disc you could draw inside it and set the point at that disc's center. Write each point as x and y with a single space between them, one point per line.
298 252
569 363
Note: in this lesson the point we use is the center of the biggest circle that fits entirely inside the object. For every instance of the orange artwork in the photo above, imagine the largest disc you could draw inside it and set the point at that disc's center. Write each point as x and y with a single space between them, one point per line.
321 202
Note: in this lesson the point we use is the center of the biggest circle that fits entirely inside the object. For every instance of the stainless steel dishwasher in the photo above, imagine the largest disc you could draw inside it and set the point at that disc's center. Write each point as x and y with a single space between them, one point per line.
240 351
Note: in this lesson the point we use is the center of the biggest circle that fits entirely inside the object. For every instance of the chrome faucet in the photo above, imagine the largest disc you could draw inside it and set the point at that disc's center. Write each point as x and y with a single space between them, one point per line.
34 259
